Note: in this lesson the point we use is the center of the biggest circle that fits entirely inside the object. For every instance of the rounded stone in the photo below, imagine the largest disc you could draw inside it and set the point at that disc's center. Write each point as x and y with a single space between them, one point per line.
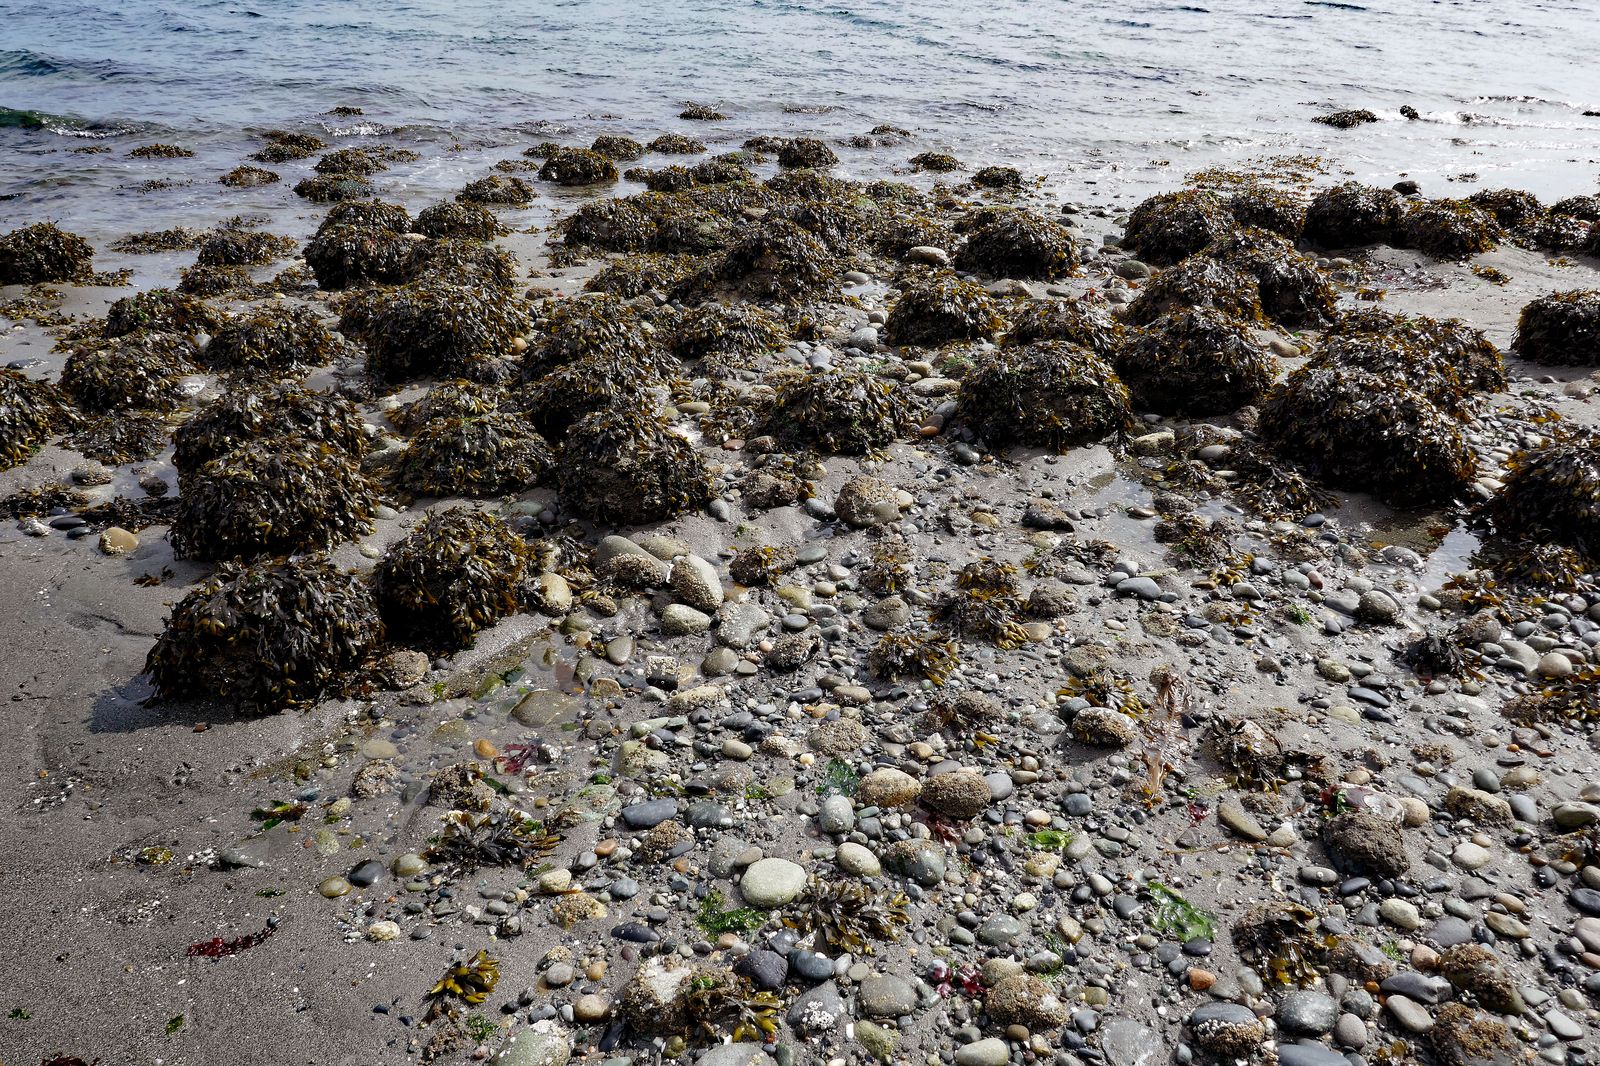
772 883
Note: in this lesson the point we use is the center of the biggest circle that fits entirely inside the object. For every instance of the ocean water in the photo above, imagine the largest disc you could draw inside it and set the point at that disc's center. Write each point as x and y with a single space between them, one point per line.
1106 99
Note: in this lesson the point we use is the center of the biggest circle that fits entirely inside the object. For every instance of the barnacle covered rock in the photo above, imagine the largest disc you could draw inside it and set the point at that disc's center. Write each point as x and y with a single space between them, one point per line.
1010 242
160 311
578 166
242 247
1448 345
1171 226
1293 291
42 252
941 308
487 454
1352 214
1561 329
1074 321
624 465
1362 431
806 152
277 411
1196 361
1273 210
498 189
840 412
466 221
1198 282
1552 494
621 149
139 370
1366 842
458 572
436 329
1051 393
272 496
270 636
1449 229
30 411
274 339
333 188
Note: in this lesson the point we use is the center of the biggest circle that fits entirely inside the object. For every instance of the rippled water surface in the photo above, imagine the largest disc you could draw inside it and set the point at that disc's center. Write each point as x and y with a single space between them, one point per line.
1094 94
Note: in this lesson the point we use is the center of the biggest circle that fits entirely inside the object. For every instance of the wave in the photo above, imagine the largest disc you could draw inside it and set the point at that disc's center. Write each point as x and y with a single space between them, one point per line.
21 118
23 63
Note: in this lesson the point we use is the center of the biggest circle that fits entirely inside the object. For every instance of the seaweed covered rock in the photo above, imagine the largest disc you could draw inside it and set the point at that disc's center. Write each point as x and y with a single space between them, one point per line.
284 146
1196 361
1346 119
160 311
458 572
1398 359
275 635
728 336
1010 242
636 275
344 255
611 225
465 221
368 214
619 149
997 177
840 412
578 166
1274 210
1362 431
1198 282
1449 229
490 454
1561 329
265 412
249 178
777 260
242 247
1352 214
333 188
274 339
1072 320
450 399
436 329
1510 207
457 261
1051 393
624 465
120 438
272 496
30 411
935 162
578 388
1447 346
806 152
1171 226
676 144
1551 494
585 326
357 161
1293 292
139 370
43 252
940 308
498 189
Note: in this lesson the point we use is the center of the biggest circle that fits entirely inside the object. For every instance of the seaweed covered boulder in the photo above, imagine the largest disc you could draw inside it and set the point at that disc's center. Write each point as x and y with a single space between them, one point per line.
1198 282
242 247
578 388
264 412
489 454
459 261
1171 226
139 370
436 329
1362 431
1396 358
777 260
1292 291
1352 214
450 399
1010 242
333 188
498 189
1072 320
266 637
43 252
1050 393
362 240
274 339
806 152
940 308
30 412
460 571
1445 347
1561 329
611 225
463 221
578 166
1551 494
839 412
617 148
1196 361
160 311
1449 229
725 337
1266 208
598 324
1510 207
624 465
271 496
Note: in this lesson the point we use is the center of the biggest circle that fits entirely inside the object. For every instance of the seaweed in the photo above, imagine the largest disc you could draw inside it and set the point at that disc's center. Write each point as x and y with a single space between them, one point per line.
1510 207
457 398
1551 494
1283 942
176 239
466 221
1266 208
249 178
985 604
1050 393
284 146
639 275
274 339
333 188
1172 226
940 308
1010 242
1446 346
1449 229
30 412
578 166
487 454
722 1007
1561 329
1198 282
619 149
840 412
623 465
1292 290
160 311
470 981
1348 119
268 497
432 328
1352 214
731 337
1174 916
498 189
935 162
930 657
270 636
849 916
458 261
506 837
121 438
676 144
775 260
458 572
140 370
715 917
43 252
243 248
806 152
280 411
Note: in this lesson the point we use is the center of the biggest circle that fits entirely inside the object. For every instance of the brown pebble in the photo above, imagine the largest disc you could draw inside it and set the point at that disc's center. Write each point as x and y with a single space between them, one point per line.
595 971
1200 980
485 749
605 848
1017 1033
